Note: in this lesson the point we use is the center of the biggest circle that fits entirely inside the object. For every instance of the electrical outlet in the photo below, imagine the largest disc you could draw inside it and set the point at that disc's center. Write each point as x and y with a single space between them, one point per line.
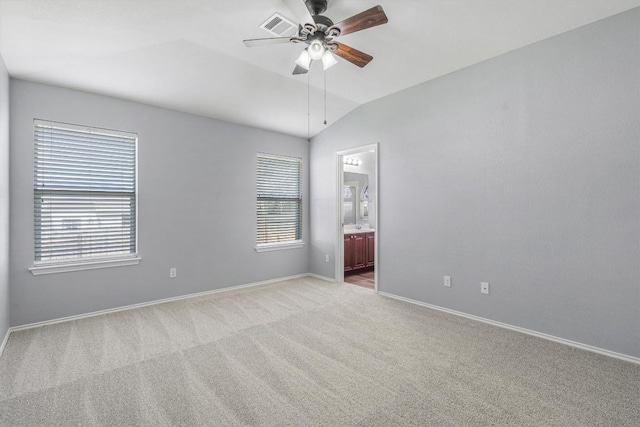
484 287
326 258
447 281
173 272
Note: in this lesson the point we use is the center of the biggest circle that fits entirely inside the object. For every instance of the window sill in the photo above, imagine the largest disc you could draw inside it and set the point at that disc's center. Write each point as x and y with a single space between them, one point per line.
279 246
79 266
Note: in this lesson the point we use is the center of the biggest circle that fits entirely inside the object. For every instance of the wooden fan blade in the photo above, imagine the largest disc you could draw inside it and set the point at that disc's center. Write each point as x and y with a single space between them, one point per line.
266 42
299 70
367 19
352 55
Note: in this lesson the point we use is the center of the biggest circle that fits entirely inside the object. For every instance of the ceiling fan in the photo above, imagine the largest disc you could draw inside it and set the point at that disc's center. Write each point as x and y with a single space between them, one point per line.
319 32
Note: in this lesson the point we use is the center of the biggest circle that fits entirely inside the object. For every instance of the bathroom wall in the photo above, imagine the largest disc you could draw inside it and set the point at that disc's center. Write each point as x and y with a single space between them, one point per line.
368 167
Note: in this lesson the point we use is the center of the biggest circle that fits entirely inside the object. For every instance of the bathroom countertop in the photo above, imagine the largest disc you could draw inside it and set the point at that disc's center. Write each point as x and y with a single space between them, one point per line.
356 231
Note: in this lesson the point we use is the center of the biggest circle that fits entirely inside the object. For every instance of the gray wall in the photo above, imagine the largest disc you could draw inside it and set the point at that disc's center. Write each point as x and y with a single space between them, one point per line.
523 171
4 200
196 205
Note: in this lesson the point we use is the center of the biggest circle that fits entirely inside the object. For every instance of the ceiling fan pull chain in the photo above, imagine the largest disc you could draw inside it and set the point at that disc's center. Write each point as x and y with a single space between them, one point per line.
325 96
308 108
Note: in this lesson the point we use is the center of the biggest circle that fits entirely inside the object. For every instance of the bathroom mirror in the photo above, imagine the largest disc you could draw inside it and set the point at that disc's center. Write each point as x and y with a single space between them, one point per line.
355 207
349 192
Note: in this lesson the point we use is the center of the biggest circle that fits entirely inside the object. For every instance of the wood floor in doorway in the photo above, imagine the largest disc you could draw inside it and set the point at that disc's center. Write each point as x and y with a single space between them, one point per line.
366 279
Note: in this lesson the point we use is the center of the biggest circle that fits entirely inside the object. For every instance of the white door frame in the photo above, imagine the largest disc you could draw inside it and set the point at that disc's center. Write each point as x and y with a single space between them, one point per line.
339 252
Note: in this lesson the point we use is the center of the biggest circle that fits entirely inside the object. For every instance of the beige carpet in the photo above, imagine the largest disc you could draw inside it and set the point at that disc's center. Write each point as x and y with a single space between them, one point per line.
304 352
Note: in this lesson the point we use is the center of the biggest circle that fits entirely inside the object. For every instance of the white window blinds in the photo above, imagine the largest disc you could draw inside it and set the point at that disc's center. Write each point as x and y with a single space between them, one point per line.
279 208
84 193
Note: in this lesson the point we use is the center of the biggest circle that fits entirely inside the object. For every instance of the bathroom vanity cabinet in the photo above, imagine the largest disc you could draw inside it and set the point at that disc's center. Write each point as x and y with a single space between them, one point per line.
359 251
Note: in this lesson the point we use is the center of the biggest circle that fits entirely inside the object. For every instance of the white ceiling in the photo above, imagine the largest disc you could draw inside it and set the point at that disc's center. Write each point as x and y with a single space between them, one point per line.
188 55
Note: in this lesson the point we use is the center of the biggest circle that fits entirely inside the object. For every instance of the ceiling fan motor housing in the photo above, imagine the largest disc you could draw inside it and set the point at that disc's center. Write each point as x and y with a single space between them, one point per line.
316 7
322 22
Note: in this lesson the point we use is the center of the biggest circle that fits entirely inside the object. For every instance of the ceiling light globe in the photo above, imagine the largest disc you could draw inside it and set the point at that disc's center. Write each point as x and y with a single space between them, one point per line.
316 50
304 60
328 60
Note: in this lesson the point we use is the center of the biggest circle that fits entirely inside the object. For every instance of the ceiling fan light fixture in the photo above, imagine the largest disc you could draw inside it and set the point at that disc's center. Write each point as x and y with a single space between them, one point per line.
304 60
316 50
328 60
318 32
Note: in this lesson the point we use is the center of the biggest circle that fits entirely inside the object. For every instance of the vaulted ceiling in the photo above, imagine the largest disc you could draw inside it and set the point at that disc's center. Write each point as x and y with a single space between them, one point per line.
188 55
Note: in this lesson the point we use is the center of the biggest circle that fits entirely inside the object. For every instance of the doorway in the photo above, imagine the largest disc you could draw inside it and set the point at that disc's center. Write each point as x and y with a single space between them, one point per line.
357 197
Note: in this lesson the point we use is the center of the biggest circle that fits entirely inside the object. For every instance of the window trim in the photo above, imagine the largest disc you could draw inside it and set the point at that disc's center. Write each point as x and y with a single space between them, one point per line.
98 262
66 267
268 247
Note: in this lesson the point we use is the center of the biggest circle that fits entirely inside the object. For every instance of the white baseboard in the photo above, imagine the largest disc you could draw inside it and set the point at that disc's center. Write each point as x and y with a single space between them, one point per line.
4 341
564 341
149 303
317 276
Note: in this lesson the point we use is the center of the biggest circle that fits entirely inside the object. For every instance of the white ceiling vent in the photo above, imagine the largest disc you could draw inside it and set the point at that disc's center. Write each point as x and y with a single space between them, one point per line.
280 26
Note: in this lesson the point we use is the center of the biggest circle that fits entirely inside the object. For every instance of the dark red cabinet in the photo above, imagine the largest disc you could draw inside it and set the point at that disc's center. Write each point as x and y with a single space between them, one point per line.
358 251
371 249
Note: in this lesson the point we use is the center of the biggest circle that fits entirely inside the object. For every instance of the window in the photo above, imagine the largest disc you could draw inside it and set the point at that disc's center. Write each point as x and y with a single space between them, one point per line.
279 208
84 192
